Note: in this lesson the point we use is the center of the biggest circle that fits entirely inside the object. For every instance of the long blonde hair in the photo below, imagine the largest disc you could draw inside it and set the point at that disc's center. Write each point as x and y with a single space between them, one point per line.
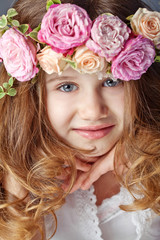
32 152
139 147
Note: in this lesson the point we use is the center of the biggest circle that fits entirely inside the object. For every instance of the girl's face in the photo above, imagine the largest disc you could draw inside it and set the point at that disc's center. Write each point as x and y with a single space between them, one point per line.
85 112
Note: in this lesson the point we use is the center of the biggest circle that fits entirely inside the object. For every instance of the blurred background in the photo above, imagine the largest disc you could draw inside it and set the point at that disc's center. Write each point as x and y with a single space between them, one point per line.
5 4
155 4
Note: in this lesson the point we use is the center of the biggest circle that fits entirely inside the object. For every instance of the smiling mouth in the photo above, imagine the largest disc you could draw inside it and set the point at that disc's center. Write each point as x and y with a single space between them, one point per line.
94 132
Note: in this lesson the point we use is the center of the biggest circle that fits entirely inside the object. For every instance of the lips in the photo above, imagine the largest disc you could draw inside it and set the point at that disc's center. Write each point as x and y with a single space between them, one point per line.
94 132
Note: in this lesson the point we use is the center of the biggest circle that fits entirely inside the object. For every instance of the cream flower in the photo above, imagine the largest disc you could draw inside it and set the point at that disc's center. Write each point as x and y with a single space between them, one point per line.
147 24
87 61
50 61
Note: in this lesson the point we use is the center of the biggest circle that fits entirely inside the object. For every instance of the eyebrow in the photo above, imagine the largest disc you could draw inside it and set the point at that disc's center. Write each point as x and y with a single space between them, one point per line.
60 78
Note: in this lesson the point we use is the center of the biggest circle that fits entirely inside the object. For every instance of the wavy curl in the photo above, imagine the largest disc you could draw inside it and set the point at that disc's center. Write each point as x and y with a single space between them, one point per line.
32 152
138 149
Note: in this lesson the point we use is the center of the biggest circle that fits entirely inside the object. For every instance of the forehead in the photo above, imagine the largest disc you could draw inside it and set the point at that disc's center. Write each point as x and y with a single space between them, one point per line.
69 74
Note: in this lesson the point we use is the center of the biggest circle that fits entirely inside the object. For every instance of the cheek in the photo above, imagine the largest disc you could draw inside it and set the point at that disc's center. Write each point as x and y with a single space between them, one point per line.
58 113
54 114
120 109
120 102
116 104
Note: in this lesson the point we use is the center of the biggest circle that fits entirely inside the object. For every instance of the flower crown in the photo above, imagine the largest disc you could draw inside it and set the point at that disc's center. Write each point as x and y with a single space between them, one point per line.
68 37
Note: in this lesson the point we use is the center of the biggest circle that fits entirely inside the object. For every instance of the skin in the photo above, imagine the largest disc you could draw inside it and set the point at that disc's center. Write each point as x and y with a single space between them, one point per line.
81 100
87 114
77 100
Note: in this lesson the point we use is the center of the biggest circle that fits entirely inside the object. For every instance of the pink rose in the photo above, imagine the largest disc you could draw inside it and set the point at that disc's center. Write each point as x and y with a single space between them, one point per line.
64 27
50 61
108 36
134 60
147 24
19 55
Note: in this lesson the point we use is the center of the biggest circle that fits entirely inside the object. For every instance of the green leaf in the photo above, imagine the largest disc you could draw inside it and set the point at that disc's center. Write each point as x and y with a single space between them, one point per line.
9 20
23 28
129 17
2 95
71 63
11 82
1 89
157 59
108 70
108 14
2 31
15 23
11 12
34 80
6 28
12 92
51 2
3 21
6 85
56 1
37 28
34 35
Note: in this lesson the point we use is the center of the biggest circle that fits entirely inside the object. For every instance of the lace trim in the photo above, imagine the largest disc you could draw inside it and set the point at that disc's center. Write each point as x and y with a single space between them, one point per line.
85 207
110 209
86 203
142 220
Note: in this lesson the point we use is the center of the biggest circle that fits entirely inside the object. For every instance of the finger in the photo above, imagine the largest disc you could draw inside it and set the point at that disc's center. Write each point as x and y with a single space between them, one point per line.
65 186
97 170
80 165
84 167
81 176
92 177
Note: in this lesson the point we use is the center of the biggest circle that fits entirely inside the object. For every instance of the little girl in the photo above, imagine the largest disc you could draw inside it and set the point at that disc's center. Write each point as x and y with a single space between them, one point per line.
80 113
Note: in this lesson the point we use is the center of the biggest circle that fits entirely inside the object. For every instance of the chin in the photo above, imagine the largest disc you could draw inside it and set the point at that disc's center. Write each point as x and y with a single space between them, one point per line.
93 156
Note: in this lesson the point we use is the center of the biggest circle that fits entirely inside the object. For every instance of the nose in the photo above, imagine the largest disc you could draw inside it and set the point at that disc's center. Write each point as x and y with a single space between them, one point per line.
92 106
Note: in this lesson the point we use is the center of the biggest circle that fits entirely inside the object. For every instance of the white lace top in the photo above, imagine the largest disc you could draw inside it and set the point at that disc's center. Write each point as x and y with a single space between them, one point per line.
80 219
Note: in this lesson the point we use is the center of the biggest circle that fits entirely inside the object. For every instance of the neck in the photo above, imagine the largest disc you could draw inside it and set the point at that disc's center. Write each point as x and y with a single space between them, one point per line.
106 186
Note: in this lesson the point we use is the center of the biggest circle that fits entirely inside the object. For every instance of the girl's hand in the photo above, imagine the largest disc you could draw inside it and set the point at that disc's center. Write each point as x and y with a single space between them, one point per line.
100 167
81 167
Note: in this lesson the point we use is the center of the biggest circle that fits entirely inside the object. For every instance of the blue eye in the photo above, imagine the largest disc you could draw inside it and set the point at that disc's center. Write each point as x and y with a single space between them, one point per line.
111 83
68 87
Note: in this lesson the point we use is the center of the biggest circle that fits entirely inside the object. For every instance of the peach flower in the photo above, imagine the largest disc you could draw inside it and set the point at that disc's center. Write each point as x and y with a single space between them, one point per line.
147 24
50 61
87 61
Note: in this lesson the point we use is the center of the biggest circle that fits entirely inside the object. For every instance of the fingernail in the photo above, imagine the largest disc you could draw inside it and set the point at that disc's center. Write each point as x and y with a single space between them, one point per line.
85 186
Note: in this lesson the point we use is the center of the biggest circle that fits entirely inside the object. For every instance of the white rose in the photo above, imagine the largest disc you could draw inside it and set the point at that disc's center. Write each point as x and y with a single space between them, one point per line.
87 61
